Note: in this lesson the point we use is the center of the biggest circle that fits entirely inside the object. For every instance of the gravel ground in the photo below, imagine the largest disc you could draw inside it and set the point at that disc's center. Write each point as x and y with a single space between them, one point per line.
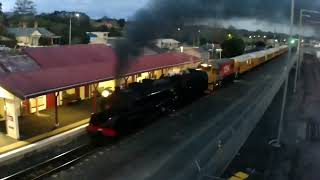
307 158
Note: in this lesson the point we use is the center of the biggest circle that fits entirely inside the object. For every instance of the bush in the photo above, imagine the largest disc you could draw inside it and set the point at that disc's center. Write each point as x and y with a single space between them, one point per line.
260 44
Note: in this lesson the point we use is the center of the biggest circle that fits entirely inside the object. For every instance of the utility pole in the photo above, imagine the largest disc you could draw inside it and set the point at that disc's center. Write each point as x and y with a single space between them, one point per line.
70 30
299 49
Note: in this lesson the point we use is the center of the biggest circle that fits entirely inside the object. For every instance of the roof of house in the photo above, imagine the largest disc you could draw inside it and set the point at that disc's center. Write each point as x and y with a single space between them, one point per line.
64 56
28 31
168 40
91 35
4 38
65 67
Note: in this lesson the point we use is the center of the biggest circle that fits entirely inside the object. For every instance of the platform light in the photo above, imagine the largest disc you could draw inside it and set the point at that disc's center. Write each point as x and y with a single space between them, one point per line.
264 36
229 36
106 93
250 37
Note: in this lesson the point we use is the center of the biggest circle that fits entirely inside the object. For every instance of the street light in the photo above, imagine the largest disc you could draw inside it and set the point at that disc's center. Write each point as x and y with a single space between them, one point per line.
220 52
77 15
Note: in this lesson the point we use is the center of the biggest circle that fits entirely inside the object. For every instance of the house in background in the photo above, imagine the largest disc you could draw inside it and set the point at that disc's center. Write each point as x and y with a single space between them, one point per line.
34 37
98 37
170 44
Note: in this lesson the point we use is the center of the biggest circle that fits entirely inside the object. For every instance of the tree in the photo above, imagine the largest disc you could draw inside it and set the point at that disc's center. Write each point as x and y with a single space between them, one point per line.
260 44
58 23
233 47
113 32
121 23
25 7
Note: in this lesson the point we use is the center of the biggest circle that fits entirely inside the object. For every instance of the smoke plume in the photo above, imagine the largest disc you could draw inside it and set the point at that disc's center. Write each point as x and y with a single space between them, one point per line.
162 17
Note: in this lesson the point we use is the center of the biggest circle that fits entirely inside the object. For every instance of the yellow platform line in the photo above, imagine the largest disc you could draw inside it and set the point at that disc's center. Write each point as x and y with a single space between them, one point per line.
26 142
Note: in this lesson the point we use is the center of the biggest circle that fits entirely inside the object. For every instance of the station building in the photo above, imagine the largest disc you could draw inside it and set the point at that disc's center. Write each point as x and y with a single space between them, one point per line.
51 87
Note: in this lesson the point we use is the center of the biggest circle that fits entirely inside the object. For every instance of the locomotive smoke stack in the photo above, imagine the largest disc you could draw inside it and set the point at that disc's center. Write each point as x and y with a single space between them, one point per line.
160 18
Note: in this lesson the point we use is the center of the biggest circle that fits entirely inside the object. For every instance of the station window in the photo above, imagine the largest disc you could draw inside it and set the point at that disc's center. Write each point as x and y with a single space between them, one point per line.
37 104
2 109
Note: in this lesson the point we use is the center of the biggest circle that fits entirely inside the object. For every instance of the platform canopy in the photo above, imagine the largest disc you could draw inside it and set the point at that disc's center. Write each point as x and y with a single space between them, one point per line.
64 67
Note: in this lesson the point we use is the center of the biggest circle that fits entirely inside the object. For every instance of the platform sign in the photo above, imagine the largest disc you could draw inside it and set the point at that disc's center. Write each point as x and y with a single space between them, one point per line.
12 127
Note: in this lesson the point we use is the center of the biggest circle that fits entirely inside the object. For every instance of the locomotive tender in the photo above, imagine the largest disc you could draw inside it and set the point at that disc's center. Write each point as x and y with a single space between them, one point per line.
129 108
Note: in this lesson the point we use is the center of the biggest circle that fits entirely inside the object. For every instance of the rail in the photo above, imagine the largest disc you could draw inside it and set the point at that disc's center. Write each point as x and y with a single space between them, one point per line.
55 164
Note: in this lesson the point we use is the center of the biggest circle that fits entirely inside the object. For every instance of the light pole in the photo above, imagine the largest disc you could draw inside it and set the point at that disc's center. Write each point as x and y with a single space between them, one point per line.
284 99
77 15
179 34
220 52
199 33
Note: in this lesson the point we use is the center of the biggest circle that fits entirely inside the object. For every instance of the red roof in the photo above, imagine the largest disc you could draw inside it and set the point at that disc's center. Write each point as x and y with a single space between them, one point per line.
61 56
83 64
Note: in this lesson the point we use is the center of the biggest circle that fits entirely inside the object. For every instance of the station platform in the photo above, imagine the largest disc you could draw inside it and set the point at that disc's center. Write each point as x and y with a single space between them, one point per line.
39 126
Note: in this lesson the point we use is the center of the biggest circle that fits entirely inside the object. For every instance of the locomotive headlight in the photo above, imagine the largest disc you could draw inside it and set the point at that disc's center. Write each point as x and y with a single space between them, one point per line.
204 65
106 93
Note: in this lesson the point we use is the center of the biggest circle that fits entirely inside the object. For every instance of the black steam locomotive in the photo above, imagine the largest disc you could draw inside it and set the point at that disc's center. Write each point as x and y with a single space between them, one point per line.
132 107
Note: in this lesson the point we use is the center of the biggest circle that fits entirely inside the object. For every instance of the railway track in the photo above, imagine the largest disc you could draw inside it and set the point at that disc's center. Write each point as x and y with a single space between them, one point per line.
53 165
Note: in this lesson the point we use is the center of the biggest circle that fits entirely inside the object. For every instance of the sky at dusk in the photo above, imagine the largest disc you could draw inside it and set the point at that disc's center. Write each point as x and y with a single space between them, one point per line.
94 8
127 8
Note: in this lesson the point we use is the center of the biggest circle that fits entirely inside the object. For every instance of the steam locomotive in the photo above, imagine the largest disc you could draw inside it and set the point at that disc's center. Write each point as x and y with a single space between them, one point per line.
129 108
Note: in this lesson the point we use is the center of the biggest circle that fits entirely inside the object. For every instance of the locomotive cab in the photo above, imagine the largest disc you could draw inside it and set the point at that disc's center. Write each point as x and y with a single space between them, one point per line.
218 71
